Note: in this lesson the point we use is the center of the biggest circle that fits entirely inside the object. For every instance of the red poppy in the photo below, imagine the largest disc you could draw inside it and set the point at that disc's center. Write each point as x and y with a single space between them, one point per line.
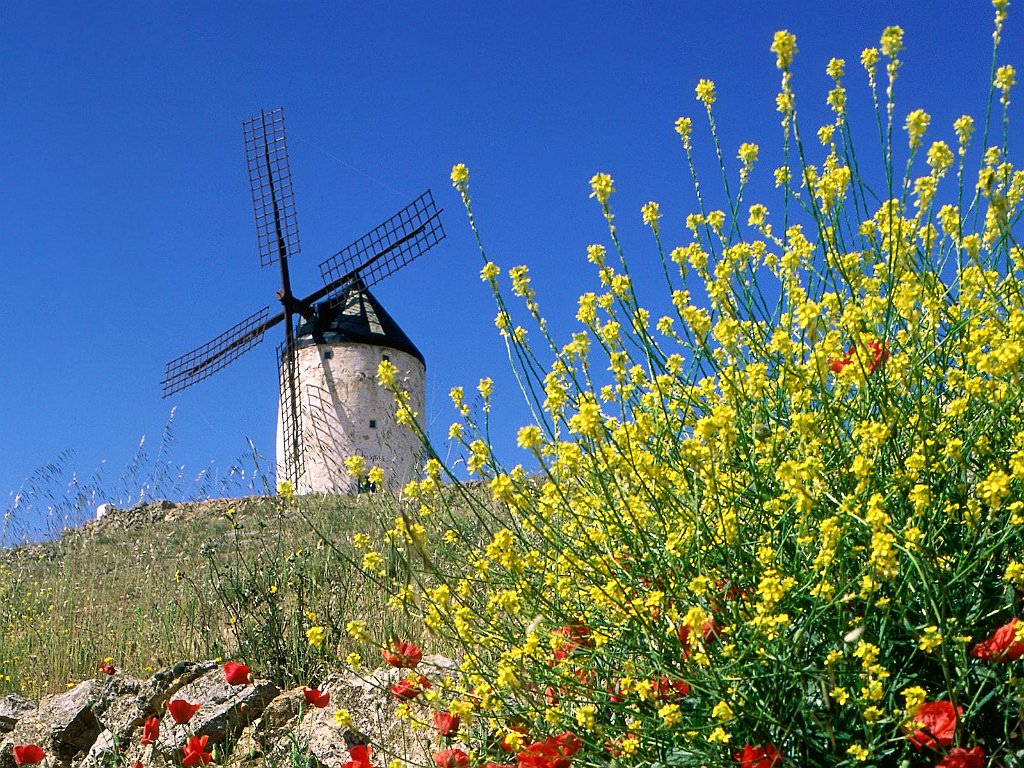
963 758
195 751
237 674
879 354
574 637
936 724
708 633
551 696
107 669
150 731
316 697
181 710
446 723
542 754
410 687
568 742
402 655
586 676
669 690
728 589
1002 646
360 754
28 754
758 757
553 752
451 758
137 764
838 363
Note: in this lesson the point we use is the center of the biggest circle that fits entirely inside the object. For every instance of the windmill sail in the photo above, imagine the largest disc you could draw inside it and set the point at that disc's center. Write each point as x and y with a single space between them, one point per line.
204 361
273 201
292 438
387 248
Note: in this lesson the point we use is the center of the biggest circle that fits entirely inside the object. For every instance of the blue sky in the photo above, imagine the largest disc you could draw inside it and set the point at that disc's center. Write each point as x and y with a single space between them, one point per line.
127 229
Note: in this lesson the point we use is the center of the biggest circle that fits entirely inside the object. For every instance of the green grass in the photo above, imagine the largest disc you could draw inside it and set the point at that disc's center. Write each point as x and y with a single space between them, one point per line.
203 583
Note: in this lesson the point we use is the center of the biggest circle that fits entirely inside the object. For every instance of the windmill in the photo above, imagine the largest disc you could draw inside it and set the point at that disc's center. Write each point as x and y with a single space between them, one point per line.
330 405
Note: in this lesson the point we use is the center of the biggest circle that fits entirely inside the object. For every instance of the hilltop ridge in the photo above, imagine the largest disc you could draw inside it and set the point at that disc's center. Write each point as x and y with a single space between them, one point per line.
164 581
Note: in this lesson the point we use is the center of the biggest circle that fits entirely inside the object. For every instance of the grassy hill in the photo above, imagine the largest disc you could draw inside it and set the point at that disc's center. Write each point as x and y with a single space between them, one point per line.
156 584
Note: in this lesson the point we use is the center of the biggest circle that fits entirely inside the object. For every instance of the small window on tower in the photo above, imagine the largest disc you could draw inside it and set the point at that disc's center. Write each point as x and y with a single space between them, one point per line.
373 423
328 354
385 357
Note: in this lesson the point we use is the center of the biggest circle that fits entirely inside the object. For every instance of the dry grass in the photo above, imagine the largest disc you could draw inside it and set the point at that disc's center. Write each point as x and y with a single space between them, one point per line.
150 586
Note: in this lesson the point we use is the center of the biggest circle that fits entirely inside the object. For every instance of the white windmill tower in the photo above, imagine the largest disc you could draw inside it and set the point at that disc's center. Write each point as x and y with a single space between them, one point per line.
331 406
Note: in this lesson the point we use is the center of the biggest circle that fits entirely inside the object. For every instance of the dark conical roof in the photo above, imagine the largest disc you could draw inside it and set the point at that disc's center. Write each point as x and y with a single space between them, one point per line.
356 318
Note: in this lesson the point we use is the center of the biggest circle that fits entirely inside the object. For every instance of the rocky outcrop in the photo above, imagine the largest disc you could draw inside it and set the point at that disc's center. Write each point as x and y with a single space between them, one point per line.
12 708
63 725
286 723
100 722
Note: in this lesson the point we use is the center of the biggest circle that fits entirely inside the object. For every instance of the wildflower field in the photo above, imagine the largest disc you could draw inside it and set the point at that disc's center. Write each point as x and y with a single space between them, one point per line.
779 526
782 524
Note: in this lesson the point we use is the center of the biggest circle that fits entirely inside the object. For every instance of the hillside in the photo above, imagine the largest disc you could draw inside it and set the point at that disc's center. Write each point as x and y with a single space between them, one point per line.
156 584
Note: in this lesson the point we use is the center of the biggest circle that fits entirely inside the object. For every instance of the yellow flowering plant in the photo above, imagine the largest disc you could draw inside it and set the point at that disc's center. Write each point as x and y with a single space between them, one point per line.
781 525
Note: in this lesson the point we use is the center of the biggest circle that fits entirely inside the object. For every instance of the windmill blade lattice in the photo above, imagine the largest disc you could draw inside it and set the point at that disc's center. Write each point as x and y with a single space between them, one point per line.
266 154
202 362
294 453
387 248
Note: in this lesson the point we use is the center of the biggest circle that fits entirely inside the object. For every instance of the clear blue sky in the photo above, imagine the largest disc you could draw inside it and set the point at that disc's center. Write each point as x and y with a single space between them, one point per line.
127 231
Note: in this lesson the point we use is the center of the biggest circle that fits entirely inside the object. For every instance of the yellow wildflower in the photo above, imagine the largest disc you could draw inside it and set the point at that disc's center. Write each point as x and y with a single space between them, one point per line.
460 175
869 60
357 631
706 92
651 214
722 711
670 714
718 736
316 636
342 718
286 490
916 125
784 47
858 752
684 127
1006 78
930 640
601 186
892 41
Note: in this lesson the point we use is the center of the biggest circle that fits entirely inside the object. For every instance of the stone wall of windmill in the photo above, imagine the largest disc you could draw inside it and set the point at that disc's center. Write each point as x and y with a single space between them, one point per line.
343 412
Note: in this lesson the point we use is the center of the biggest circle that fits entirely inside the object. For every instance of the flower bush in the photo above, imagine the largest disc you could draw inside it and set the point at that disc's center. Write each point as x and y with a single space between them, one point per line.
781 524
